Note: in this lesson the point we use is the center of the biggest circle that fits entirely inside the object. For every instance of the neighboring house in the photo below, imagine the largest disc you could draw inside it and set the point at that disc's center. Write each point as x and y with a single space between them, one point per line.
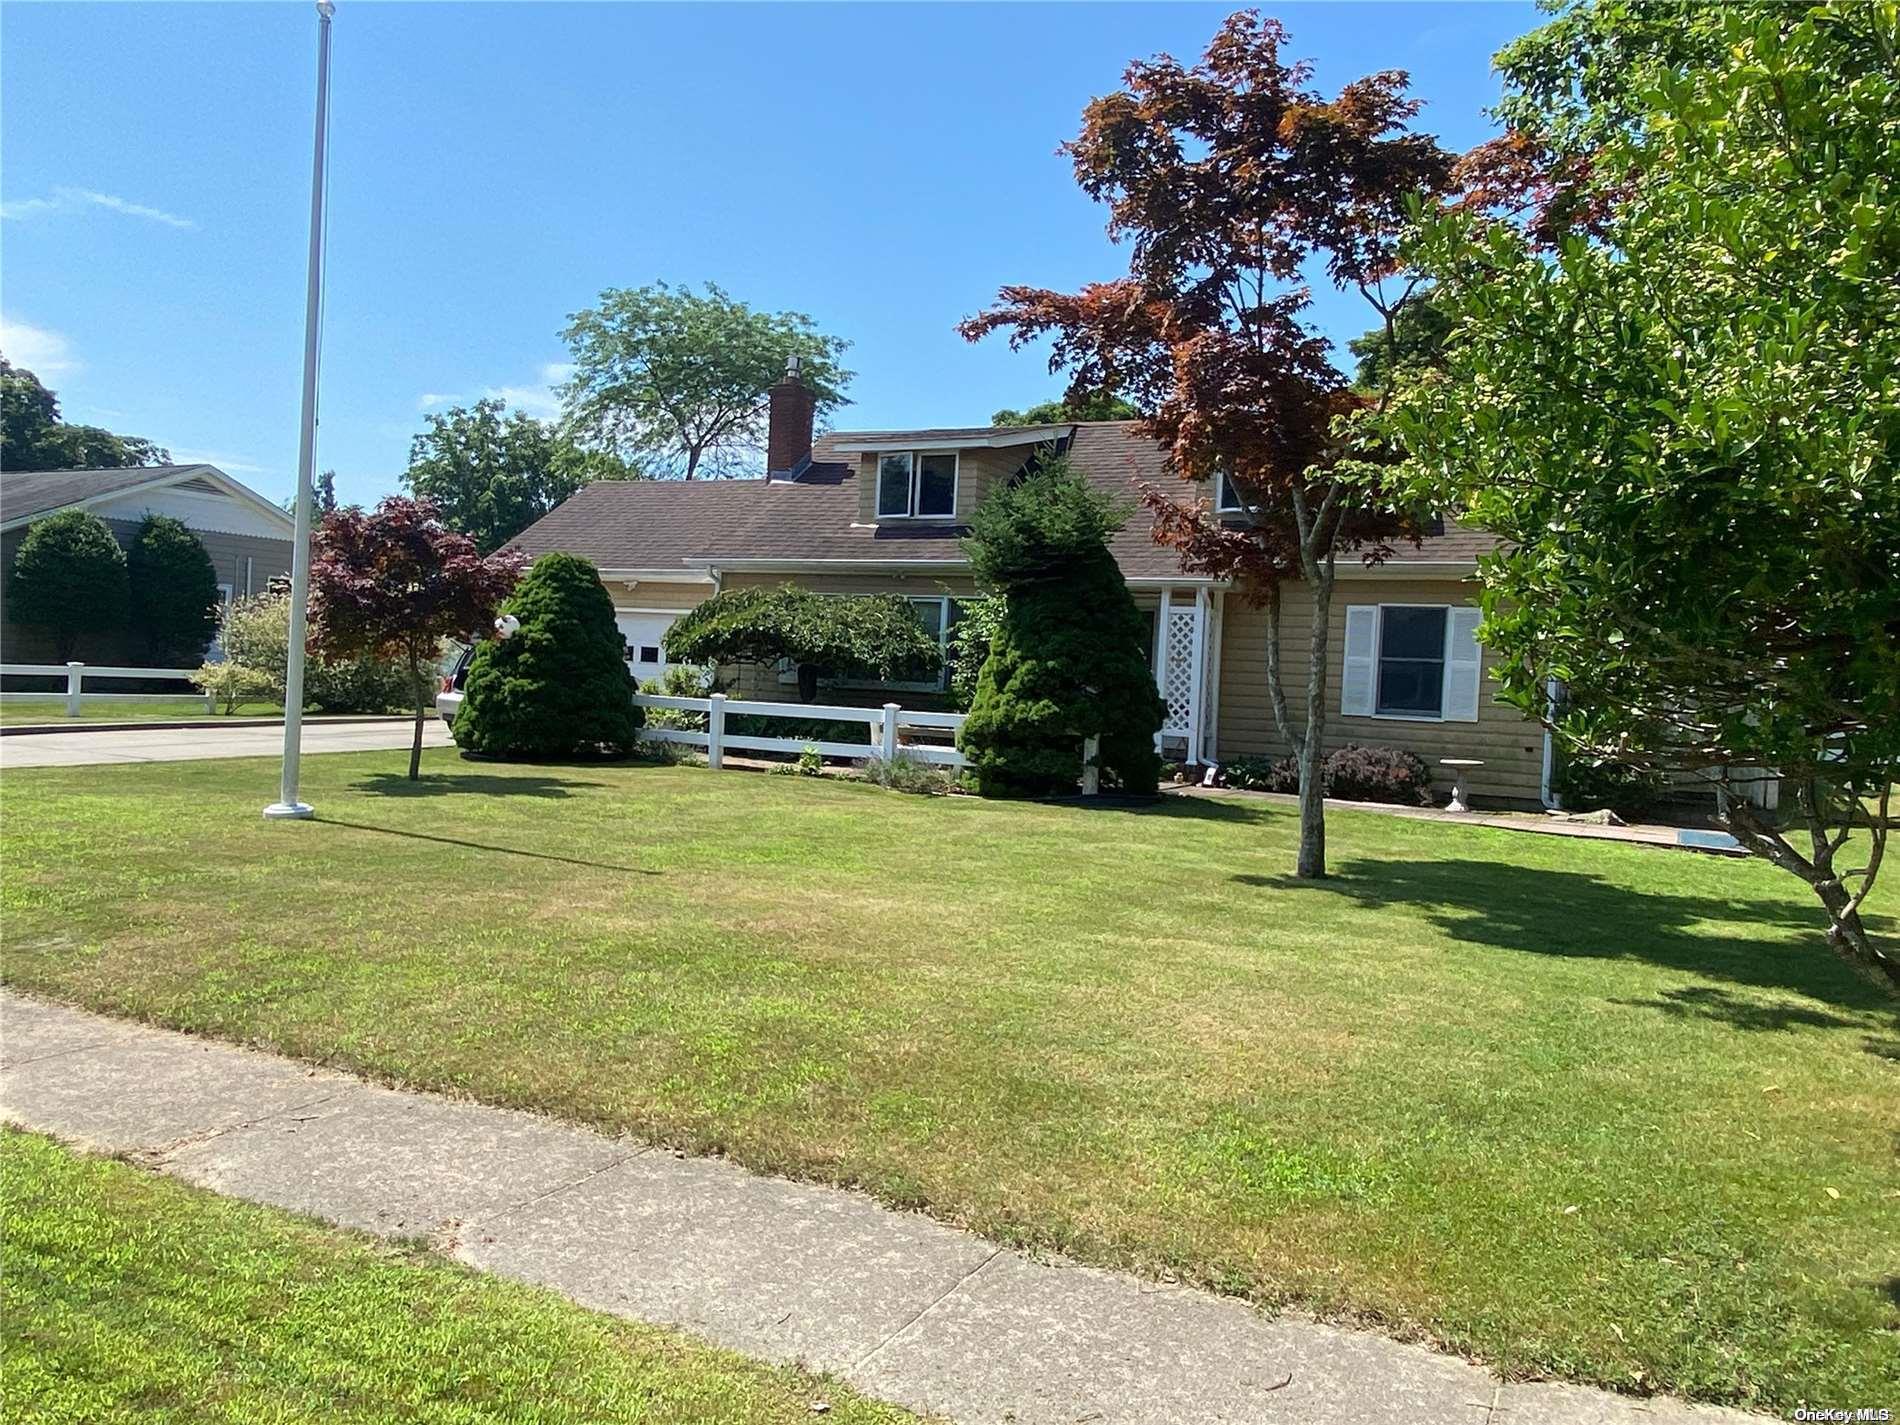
883 512
248 538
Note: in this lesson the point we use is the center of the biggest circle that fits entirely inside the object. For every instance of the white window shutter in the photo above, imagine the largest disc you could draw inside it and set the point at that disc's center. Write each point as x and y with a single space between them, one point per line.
1359 676
1464 666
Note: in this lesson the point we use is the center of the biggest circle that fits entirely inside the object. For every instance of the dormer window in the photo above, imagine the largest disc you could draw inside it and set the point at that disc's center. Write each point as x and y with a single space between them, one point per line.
1226 497
917 484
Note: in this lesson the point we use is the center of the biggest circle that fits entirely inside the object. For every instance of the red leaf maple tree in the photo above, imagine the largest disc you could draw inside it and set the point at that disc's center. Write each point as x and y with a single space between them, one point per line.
394 582
1229 180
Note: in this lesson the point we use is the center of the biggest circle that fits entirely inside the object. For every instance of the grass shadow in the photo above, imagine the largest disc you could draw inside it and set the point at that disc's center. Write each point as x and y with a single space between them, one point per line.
439 784
488 846
1575 914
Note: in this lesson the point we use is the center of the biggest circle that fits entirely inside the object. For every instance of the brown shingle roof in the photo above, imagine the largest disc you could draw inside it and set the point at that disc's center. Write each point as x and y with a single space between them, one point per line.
677 525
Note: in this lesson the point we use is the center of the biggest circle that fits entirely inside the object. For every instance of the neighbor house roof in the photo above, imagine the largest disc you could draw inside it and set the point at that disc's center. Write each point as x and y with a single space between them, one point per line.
27 495
683 526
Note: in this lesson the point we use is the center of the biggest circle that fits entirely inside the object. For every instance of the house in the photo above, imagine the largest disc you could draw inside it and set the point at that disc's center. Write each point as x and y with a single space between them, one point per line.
248 538
856 512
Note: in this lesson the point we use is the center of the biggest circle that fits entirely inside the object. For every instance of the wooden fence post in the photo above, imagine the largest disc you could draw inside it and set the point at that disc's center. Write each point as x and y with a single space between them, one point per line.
75 680
1091 774
716 732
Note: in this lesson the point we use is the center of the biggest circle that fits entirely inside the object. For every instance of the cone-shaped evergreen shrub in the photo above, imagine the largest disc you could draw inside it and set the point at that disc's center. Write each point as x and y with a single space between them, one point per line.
560 685
1070 658
174 592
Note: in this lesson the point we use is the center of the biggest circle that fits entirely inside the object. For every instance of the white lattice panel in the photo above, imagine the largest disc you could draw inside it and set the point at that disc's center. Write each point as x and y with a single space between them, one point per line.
1177 669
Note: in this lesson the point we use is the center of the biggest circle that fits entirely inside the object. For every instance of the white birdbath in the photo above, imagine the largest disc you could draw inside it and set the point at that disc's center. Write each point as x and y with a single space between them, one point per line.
1460 793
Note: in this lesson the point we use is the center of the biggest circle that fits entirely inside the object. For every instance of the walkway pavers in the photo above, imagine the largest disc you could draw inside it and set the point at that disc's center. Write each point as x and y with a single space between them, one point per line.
901 1306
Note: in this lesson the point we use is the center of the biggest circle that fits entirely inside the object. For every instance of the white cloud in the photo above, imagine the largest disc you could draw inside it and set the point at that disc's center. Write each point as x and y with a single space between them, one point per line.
65 199
41 350
229 464
538 401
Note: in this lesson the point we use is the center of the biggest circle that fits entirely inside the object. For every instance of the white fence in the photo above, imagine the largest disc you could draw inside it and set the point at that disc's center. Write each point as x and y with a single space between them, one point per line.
883 726
76 674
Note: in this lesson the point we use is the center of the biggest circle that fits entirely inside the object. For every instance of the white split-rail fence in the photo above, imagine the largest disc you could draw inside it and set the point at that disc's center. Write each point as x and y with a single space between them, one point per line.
884 729
76 674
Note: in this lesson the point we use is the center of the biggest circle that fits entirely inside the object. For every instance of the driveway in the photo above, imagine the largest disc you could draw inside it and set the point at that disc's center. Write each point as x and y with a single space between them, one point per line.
178 744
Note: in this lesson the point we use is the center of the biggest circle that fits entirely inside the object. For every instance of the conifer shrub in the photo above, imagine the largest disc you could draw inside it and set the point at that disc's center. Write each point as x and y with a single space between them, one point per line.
174 592
69 579
559 687
1069 658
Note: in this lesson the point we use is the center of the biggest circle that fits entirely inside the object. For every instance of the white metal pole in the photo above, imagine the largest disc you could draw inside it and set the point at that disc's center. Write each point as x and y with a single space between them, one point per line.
288 804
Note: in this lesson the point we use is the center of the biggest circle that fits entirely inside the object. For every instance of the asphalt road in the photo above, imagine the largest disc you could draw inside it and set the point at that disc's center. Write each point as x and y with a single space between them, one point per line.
79 749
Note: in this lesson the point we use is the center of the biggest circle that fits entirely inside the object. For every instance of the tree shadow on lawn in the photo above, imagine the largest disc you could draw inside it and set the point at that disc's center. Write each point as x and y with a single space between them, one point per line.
440 784
1576 914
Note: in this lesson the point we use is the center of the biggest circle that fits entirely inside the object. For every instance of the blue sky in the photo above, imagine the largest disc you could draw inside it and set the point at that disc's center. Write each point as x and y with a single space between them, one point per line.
883 168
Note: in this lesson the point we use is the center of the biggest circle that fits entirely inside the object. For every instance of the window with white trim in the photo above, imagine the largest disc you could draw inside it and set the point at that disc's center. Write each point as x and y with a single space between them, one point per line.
1411 681
1418 662
917 484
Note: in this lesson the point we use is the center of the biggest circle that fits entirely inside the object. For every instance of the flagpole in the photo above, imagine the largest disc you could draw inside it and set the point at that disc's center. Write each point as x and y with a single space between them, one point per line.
288 806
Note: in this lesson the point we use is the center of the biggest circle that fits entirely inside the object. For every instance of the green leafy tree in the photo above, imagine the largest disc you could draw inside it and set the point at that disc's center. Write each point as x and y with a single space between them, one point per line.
1069 659
558 687
879 638
675 380
492 475
69 579
1387 357
1685 432
174 592
33 437
1087 406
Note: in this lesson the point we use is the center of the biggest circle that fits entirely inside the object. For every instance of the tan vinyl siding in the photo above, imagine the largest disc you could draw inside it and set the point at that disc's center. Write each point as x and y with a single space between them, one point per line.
647 594
977 472
1511 746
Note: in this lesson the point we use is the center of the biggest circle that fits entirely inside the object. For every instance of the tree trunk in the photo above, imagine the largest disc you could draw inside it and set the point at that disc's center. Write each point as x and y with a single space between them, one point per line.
415 747
1846 935
1311 865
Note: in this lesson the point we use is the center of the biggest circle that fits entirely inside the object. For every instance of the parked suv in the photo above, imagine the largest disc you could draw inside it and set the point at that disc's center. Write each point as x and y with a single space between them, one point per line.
448 701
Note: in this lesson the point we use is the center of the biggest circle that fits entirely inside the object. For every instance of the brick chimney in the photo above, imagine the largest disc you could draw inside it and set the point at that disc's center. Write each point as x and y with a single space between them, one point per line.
788 436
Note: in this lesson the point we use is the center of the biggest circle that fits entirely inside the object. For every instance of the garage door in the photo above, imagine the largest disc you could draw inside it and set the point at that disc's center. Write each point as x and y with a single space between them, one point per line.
645 655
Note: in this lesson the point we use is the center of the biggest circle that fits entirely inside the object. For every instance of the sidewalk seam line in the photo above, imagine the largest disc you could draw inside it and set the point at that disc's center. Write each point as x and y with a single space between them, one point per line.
587 1177
927 1308
9 1067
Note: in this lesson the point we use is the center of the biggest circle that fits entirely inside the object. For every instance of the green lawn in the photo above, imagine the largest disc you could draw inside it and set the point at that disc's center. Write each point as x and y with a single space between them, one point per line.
132 1297
116 710
1604 1112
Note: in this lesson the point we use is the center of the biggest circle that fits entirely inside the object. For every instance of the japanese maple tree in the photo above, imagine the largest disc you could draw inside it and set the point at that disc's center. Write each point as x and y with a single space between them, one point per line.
1229 180
396 581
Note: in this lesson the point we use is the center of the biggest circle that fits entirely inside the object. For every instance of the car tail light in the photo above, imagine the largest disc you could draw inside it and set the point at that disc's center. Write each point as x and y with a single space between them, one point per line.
448 684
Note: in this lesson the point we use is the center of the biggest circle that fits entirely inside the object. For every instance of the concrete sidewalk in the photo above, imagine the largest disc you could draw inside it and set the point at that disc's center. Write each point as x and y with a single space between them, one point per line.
183 744
900 1306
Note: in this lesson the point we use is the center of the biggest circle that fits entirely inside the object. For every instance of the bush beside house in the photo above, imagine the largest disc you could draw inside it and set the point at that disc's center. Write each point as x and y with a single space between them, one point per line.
1069 658
559 686
174 592
70 579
